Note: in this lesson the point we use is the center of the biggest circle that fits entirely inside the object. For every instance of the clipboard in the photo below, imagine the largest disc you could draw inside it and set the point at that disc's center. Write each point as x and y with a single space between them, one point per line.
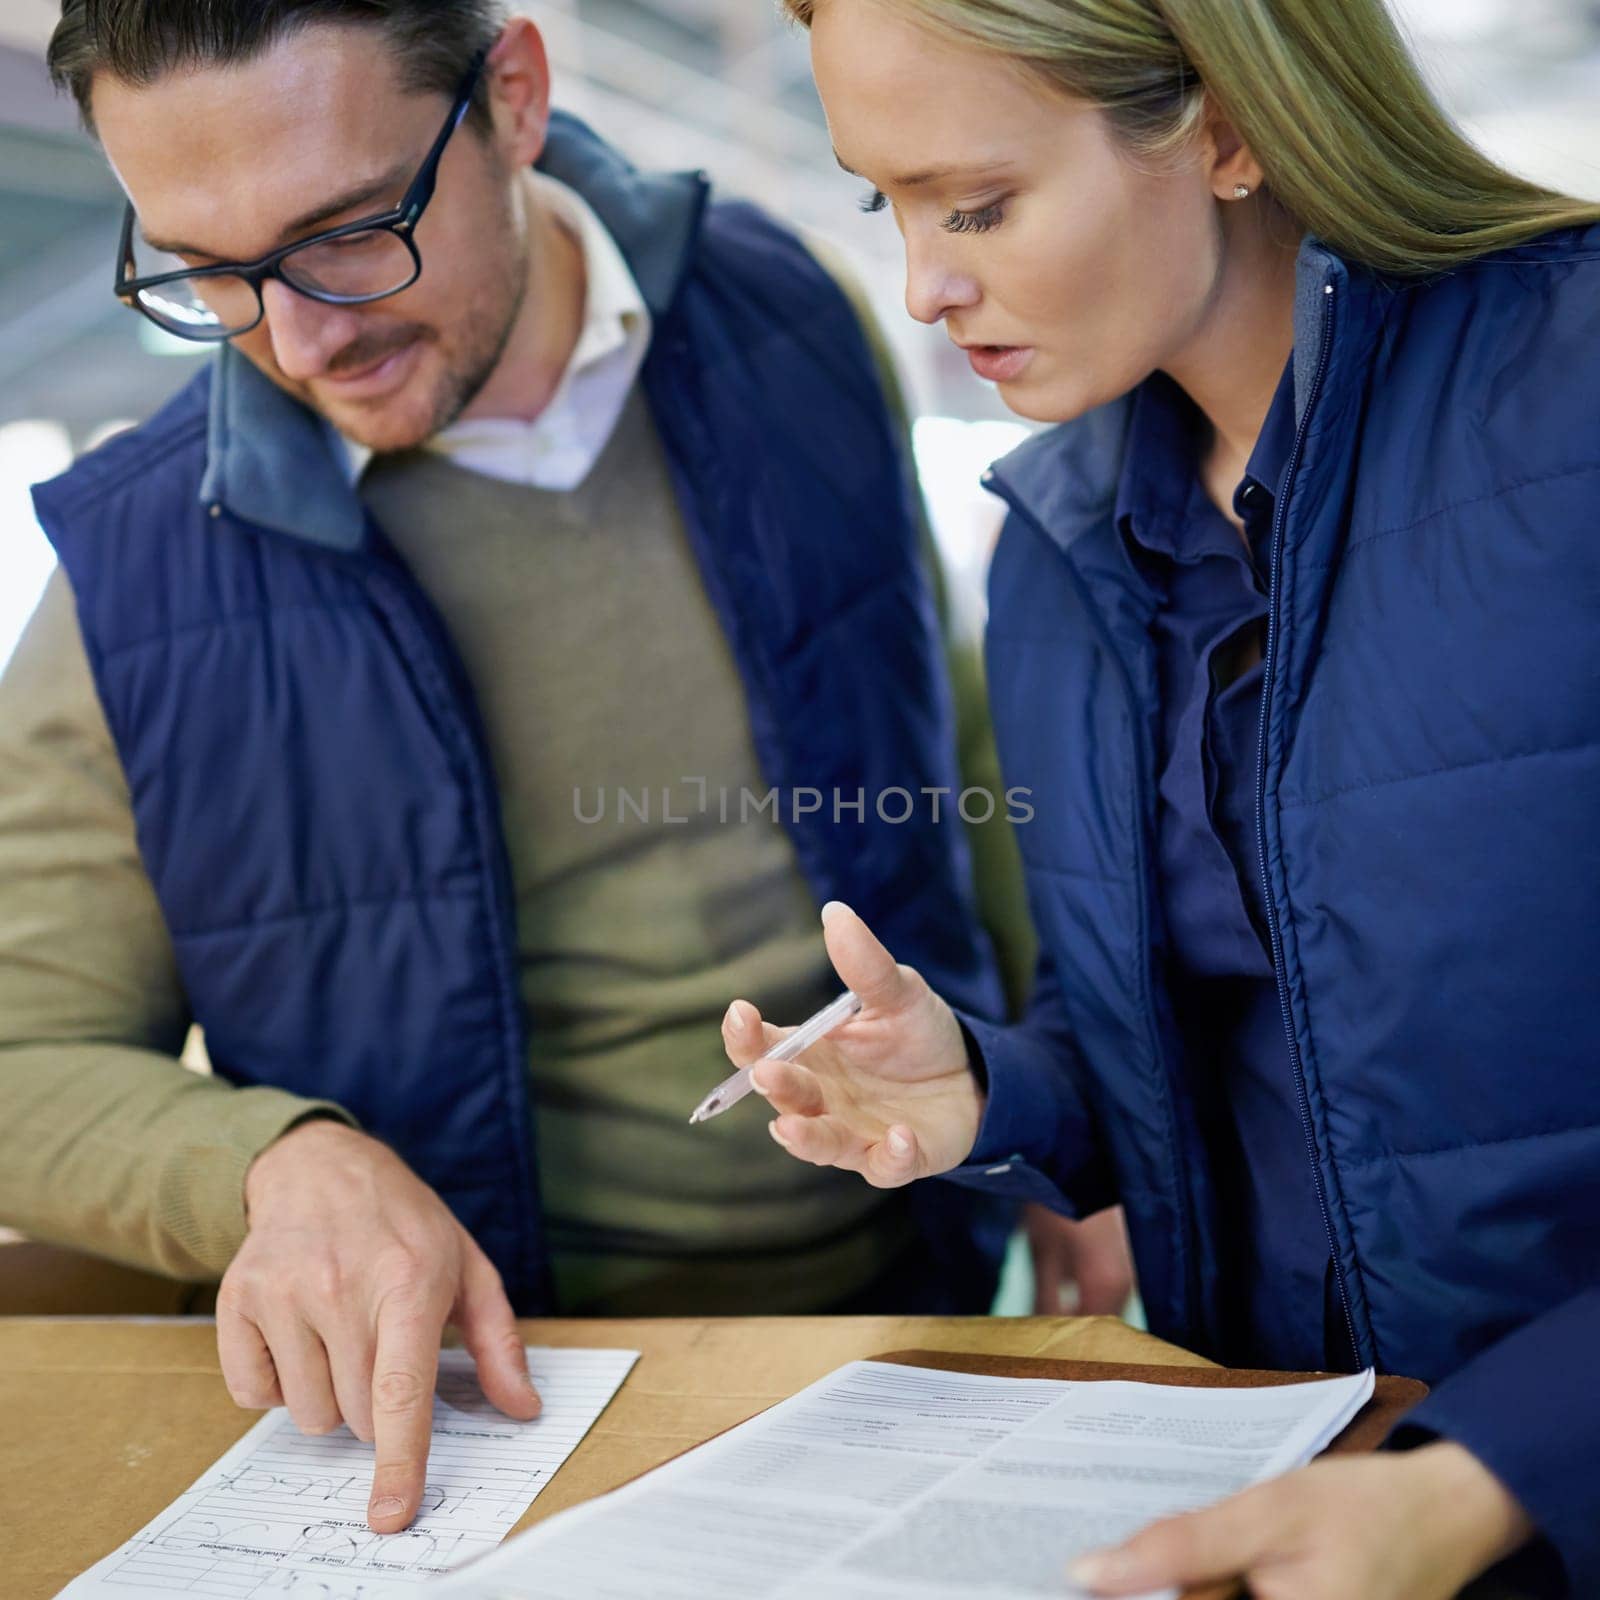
1391 1398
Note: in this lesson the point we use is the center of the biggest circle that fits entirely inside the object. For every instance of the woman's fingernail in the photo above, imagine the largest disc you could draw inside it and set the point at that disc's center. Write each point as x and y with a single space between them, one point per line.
759 1084
1090 1572
899 1145
390 1506
730 1018
832 908
772 1128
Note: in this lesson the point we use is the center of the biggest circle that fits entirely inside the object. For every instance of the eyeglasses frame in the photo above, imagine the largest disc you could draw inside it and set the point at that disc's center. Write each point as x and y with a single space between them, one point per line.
401 221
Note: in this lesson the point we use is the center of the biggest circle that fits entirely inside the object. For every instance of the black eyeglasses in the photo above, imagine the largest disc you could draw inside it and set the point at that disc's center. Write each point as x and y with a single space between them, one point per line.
351 265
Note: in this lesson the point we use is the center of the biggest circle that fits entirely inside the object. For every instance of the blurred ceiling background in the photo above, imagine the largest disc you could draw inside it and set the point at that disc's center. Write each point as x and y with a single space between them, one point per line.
717 84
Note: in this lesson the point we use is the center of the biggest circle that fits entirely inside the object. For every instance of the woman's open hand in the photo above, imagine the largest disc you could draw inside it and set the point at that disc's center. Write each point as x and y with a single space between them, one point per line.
888 1094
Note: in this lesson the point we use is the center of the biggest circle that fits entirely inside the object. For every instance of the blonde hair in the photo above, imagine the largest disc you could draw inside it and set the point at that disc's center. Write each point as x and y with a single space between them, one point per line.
1325 92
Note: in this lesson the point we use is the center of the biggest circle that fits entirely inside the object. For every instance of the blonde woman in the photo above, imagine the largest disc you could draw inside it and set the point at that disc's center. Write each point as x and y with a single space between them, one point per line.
1295 645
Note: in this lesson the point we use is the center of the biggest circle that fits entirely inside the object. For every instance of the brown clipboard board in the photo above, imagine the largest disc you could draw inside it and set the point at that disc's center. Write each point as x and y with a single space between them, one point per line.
1391 1398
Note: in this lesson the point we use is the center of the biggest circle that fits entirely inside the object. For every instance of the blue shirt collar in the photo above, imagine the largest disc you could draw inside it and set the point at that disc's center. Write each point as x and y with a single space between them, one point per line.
1160 499
1269 461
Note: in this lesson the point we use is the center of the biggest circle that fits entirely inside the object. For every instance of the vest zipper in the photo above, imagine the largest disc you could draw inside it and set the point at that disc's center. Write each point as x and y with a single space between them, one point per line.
1274 931
1190 1267
388 572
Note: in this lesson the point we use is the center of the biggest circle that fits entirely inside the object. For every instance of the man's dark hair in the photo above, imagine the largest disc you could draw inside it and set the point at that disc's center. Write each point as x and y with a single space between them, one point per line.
139 41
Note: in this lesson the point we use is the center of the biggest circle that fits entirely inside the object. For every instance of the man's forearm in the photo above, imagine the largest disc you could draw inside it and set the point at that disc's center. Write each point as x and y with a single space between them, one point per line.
125 1153
107 1143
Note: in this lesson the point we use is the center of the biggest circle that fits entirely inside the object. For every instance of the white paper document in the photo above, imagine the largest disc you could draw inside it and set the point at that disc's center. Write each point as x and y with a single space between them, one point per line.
885 1482
283 1515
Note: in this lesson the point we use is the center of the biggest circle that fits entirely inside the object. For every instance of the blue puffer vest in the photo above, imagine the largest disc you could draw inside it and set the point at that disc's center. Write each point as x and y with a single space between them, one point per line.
1429 805
309 779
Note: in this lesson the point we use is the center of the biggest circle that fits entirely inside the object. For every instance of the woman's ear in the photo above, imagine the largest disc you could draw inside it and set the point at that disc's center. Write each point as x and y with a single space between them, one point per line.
1231 165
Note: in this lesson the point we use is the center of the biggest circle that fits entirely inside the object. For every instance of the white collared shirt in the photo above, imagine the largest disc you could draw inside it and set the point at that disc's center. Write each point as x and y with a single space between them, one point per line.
559 448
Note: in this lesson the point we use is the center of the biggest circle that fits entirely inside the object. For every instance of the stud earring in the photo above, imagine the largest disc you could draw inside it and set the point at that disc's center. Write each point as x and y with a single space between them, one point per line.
1241 191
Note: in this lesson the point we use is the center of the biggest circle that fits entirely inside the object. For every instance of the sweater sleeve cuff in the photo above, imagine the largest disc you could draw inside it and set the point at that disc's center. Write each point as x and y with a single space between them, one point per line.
200 1209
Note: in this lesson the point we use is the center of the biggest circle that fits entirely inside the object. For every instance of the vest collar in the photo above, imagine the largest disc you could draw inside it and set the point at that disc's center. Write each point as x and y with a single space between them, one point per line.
275 463
1066 477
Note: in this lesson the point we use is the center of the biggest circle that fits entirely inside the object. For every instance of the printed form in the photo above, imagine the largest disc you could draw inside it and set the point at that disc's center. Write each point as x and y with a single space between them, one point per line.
282 1516
887 1482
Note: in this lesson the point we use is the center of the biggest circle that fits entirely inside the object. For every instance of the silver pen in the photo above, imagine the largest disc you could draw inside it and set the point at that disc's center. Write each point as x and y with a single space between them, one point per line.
732 1090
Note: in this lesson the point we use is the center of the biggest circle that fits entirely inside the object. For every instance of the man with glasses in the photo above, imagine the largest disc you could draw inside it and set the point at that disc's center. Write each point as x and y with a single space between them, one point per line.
490 663
353 264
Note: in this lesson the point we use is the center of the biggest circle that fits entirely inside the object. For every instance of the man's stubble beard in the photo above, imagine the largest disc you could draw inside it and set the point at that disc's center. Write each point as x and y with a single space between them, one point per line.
485 342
